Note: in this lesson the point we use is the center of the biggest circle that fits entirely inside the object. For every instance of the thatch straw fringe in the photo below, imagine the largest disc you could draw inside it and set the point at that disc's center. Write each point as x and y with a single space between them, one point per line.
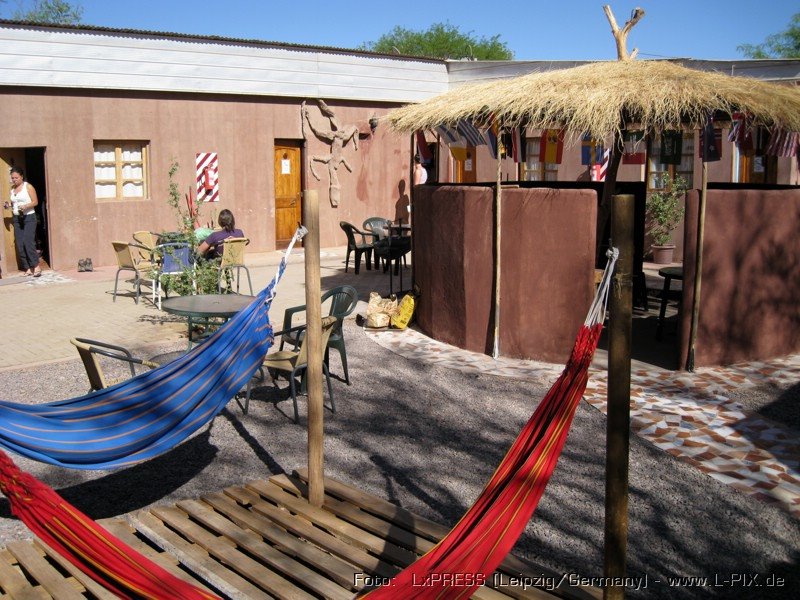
595 98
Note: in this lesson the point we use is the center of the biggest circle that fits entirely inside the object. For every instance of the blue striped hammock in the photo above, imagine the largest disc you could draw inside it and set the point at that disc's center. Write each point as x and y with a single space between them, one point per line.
153 412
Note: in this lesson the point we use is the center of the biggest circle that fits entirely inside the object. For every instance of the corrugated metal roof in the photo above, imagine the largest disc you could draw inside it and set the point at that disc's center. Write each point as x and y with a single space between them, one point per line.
211 38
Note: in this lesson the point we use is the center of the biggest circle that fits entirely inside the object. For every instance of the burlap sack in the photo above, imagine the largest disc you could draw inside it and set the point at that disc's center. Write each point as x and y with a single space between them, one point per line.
380 310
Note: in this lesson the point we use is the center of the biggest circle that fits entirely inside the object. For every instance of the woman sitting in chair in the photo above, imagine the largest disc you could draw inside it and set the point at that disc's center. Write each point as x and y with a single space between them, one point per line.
211 247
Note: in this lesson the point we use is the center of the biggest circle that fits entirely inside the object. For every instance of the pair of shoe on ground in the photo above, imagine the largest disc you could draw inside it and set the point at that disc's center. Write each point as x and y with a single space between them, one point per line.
37 272
85 264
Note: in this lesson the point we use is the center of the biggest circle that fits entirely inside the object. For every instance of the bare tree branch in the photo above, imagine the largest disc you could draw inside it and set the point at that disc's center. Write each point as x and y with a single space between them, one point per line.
621 35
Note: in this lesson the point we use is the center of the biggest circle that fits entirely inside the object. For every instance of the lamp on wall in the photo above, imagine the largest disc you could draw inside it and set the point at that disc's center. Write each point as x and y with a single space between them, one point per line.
373 123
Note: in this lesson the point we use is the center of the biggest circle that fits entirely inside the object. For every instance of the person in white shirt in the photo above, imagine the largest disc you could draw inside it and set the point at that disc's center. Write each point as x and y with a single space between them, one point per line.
420 173
23 202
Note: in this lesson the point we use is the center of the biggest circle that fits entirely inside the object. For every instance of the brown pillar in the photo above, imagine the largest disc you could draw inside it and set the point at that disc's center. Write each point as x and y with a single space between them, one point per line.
619 395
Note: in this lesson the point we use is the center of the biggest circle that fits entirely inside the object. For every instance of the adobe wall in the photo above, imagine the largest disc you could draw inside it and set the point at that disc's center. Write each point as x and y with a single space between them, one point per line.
242 130
750 280
547 261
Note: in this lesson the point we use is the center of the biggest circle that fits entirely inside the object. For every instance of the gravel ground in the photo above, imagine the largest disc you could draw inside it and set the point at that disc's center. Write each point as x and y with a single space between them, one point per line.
427 438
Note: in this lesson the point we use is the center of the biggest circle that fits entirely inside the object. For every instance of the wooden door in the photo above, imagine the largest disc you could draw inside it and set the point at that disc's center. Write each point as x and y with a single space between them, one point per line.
288 188
466 168
757 169
9 157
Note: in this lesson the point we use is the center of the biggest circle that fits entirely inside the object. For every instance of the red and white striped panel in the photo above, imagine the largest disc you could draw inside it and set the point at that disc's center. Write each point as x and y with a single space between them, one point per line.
599 171
207 182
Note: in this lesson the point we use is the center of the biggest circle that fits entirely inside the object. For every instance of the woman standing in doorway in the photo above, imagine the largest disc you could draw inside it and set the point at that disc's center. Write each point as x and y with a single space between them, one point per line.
23 203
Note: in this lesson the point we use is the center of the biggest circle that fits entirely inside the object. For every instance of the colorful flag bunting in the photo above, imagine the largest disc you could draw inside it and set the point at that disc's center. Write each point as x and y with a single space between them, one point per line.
470 133
741 132
459 152
783 143
448 134
551 146
591 150
491 137
634 151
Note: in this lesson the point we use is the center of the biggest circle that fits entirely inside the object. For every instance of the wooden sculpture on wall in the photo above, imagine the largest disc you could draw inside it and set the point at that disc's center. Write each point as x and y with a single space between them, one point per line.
337 137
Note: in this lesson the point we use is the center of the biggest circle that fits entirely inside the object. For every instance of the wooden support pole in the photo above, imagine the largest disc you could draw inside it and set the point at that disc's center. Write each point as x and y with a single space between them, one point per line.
698 268
619 396
316 430
498 194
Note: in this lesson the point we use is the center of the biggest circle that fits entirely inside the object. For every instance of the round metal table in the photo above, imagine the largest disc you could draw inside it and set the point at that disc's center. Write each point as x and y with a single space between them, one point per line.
205 306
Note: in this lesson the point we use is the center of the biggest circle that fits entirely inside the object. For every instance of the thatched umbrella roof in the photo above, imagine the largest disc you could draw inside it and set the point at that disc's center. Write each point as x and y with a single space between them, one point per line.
603 98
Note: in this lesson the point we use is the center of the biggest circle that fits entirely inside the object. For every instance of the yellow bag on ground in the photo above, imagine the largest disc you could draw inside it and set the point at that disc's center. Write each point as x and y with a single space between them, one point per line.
405 311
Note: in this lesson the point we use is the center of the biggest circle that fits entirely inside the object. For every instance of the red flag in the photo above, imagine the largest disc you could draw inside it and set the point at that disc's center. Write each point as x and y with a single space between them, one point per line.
634 152
551 146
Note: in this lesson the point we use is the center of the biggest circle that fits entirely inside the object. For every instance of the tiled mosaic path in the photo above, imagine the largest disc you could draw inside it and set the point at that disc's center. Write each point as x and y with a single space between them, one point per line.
688 415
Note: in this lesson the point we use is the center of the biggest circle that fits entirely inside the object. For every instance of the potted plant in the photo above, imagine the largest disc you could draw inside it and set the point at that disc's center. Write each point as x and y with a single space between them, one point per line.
664 212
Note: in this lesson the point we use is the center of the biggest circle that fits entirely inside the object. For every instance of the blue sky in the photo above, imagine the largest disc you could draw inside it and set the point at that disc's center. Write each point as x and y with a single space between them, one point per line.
533 29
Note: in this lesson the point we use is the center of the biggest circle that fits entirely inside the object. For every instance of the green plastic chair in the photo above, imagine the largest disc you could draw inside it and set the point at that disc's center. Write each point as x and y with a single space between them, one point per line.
378 228
343 302
293 362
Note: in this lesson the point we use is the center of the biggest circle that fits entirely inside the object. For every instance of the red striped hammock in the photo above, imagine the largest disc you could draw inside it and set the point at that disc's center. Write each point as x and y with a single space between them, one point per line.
105 558
468 555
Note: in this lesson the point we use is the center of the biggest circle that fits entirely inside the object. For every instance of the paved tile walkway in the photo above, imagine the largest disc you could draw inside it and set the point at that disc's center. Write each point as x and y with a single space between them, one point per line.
688 415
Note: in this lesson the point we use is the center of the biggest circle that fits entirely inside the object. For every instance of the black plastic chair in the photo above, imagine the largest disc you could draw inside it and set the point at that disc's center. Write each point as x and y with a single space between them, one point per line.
393 249
362 247
343 302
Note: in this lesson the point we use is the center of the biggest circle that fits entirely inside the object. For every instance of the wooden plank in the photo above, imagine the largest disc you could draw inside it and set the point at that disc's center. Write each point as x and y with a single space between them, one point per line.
352 514
271 556
396 533
266 579
125 532
378 506
91 586
335 568
14 583
195 558
333 524
34 562
480 594
512 566
359 582
303 529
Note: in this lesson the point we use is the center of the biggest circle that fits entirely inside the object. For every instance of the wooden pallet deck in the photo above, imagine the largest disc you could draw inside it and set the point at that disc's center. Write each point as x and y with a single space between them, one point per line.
263 540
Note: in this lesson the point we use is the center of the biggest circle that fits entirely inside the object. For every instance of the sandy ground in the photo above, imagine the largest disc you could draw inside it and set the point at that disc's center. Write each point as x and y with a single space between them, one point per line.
427 438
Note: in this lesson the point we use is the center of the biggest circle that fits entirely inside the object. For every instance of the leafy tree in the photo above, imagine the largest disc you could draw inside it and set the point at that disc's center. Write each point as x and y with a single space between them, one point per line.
778 45
59 12
441 40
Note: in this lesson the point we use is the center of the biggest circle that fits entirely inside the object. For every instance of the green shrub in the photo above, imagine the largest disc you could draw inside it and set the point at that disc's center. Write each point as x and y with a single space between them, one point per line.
203 278
665 209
